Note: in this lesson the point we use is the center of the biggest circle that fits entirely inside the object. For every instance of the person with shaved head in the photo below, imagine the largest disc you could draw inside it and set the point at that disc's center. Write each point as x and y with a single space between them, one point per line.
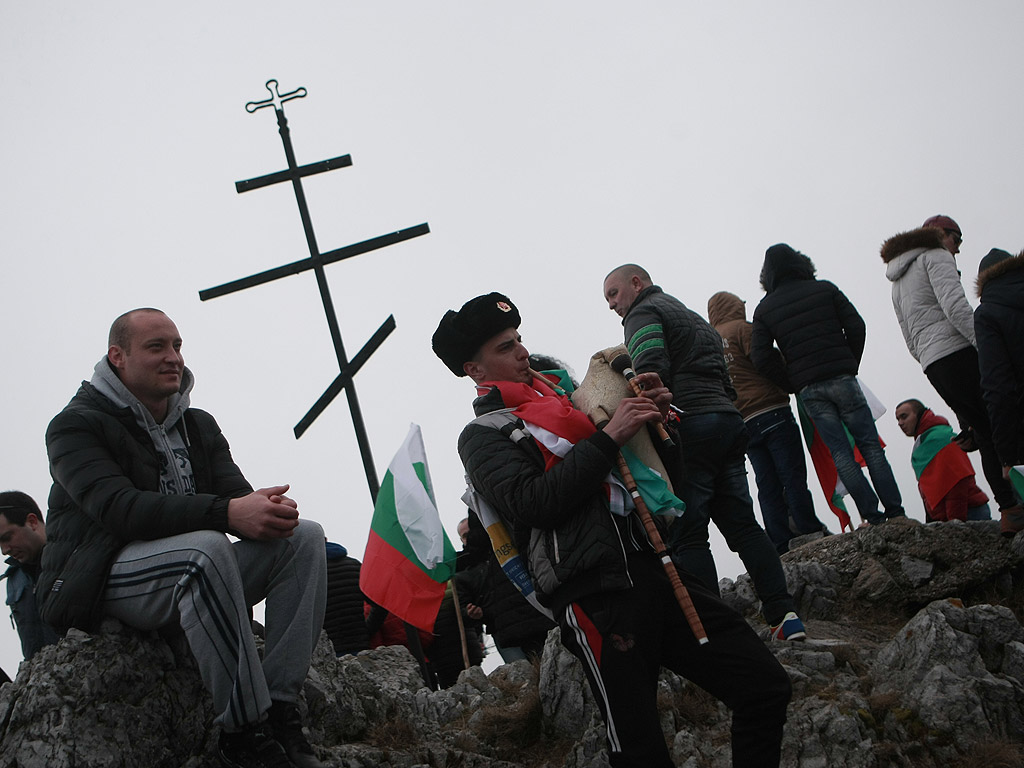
144 494
667 339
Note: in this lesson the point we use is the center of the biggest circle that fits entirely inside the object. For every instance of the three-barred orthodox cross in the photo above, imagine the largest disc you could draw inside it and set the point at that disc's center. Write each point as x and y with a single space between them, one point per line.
316 262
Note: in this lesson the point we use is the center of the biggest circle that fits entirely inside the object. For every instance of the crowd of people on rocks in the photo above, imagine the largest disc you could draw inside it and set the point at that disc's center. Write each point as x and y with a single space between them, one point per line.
560 530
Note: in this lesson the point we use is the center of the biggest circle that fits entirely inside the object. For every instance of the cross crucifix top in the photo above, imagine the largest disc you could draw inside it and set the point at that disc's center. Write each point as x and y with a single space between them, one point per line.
316 263
276 99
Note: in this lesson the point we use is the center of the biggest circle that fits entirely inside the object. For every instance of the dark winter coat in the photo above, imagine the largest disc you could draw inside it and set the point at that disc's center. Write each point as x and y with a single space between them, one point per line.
510 619
344 620
666 337
999 326
585 543
817 329
21 599
106 493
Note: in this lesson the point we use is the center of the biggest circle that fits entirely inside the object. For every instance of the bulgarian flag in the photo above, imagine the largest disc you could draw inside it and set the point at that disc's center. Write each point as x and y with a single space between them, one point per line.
409 558
824 468
938 462
1017 480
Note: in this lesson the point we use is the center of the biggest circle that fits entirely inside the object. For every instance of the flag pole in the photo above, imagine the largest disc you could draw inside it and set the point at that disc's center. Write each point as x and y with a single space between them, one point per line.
462 627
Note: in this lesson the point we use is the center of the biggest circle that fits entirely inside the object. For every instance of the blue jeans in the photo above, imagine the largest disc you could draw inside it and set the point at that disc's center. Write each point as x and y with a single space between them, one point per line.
982 512
838 402
777 455
713 484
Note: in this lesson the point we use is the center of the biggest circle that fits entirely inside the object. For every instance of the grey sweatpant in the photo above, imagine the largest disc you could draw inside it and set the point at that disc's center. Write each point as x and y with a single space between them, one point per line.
207 583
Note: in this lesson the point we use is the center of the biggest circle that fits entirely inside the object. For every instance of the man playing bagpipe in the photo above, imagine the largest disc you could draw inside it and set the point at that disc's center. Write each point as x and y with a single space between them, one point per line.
546 470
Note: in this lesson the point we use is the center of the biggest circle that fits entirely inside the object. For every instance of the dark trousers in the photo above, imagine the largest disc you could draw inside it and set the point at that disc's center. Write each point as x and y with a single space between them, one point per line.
957 379
624 638
713 484
780 471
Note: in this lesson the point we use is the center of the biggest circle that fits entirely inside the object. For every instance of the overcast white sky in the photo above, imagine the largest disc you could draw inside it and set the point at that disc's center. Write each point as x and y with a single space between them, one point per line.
544 143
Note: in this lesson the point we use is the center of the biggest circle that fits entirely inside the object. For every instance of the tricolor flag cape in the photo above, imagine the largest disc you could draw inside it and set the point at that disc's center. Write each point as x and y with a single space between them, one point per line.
821 457
409 558
938 462
1017 480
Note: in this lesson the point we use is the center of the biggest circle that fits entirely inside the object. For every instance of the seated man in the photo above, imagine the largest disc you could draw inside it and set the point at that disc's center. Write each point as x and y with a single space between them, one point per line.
945 476
22 538
144 493
593 568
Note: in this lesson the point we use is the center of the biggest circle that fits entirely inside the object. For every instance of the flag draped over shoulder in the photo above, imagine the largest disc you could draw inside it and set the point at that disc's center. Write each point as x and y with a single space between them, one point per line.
938 462
409 558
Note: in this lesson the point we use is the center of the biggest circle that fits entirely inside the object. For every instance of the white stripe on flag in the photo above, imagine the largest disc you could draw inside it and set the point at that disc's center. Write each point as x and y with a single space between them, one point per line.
414 504
874 404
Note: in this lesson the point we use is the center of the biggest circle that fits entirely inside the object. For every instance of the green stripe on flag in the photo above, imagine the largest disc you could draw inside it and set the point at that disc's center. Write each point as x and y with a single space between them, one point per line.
1017 480
386 524
928 445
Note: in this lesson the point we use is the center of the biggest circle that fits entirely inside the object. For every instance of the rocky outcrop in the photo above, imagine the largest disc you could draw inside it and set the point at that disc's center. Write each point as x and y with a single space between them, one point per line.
916 658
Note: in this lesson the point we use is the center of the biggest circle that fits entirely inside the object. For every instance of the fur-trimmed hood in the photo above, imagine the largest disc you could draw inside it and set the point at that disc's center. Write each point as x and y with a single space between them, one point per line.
999 270
924 238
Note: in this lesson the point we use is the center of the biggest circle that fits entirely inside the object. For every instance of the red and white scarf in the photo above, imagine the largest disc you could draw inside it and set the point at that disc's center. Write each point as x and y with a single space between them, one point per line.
556 426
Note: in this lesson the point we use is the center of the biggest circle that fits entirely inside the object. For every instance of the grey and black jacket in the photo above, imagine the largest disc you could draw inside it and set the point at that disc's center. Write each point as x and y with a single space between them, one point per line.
666 337
575 546
106 493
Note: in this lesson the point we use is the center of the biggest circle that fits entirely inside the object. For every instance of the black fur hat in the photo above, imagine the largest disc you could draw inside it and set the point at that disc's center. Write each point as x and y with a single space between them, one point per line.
460 334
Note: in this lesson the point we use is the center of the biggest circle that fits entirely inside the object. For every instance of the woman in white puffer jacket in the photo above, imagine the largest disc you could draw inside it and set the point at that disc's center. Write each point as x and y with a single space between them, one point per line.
927 294
938 325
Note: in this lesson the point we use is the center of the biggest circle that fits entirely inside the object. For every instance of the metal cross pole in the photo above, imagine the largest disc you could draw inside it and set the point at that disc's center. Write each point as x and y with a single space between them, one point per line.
316 262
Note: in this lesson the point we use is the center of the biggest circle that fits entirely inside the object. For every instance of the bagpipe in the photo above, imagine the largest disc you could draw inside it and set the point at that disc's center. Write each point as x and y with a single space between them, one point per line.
610 379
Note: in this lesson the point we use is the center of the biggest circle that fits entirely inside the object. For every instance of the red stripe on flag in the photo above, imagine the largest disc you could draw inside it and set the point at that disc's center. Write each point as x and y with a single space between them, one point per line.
825 469
947 468
392 581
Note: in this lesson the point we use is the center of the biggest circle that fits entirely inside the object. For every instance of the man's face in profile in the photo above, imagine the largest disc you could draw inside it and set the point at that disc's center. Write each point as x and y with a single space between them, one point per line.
501 358
620 291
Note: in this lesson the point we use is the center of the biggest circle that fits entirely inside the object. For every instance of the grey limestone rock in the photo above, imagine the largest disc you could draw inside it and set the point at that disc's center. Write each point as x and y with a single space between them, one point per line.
915 658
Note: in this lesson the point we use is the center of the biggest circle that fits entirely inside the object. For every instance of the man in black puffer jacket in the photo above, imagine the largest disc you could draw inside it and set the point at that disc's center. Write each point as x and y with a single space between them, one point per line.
821 339
667 338
144 491
547 478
